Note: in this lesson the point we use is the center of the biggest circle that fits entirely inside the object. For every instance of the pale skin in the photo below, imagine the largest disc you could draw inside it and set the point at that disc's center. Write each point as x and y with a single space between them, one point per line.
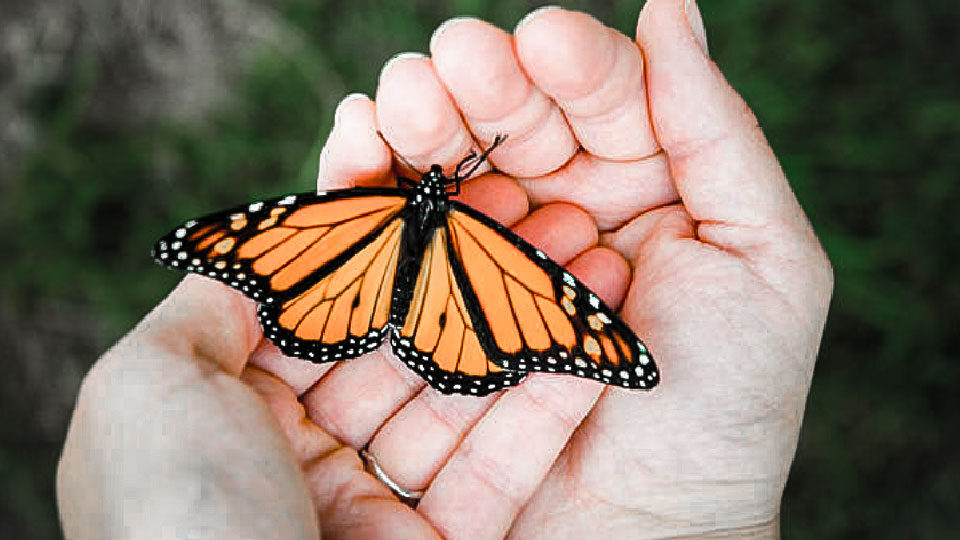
647 176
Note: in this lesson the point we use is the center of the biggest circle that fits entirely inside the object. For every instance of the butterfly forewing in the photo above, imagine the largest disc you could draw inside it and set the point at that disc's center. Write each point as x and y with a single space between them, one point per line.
532 315
321 266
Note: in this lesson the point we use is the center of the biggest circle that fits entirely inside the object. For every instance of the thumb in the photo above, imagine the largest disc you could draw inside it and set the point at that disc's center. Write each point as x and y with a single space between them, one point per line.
726 173
204 319
727 176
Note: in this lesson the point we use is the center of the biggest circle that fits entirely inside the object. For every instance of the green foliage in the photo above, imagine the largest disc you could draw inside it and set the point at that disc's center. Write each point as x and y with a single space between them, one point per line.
859 99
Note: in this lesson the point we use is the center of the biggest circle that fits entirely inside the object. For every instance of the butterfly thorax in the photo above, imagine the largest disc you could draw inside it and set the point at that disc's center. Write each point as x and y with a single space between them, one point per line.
428 203
431 189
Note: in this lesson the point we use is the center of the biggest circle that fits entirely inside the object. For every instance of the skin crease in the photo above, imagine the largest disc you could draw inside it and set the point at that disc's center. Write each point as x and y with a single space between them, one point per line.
647 176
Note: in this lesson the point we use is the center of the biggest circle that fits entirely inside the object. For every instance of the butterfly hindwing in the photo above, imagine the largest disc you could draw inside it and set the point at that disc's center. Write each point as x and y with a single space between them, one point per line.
321 265
435 336
342 315
532 315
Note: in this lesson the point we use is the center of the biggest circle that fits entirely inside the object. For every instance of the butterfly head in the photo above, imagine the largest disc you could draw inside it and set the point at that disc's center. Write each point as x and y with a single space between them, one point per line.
434 176
433 184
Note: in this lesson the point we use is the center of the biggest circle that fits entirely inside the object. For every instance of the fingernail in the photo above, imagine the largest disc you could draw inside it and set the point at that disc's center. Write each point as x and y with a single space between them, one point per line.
401 56
530 16
696 23
323 166
344 101
446 25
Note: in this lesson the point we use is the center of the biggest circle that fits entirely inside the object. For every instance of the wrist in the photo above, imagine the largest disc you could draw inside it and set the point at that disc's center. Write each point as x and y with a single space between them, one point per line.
763 531
769 530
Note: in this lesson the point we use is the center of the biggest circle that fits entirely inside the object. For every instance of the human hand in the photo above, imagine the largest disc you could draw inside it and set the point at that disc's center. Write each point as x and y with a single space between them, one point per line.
729 285
167 442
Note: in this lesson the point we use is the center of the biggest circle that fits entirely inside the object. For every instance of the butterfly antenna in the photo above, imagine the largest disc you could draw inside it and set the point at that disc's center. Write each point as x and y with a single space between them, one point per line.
497 141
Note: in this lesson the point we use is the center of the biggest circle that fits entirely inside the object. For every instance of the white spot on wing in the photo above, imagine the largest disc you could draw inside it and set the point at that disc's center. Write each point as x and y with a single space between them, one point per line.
255 207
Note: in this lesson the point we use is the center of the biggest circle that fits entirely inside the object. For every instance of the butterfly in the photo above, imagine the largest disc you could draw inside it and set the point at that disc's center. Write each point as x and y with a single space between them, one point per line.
465 303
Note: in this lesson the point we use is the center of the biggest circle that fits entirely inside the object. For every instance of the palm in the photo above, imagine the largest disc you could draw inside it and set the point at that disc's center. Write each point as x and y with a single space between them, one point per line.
723 426
726 311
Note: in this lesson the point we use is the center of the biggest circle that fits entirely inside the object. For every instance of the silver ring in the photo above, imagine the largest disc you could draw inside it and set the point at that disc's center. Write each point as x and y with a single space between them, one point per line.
408 496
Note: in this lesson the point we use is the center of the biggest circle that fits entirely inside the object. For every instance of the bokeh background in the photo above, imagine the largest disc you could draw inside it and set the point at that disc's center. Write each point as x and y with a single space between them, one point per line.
121 117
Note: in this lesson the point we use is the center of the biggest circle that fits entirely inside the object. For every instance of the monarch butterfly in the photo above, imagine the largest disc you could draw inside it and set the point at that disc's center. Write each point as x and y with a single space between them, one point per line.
467 304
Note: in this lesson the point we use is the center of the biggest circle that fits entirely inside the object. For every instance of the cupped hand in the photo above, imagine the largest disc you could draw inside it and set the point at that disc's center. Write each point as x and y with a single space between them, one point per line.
648 177
644 146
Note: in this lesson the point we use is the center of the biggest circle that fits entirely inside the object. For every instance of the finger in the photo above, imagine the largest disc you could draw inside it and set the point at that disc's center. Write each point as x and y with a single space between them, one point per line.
562 231
607 272
354 154
671 219
355 397
417 116
297 373
439 422
477 64
307 441
496 195
613 192
204 319
595 74
659 243
352 504
725 171
494 471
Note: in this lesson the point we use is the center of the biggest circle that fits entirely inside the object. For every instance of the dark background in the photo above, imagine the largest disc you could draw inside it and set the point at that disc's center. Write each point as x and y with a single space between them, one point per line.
119 118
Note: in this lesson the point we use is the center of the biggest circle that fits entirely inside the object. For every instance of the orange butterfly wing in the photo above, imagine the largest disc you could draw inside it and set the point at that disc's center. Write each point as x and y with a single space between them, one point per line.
436 338
321 266
532 315
486 306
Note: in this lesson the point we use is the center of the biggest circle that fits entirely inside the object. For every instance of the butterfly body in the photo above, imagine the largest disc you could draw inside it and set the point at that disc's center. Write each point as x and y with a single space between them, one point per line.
466 304
427 204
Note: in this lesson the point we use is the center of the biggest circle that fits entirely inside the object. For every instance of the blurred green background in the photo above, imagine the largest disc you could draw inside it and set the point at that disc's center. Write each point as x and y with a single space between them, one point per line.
120 118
